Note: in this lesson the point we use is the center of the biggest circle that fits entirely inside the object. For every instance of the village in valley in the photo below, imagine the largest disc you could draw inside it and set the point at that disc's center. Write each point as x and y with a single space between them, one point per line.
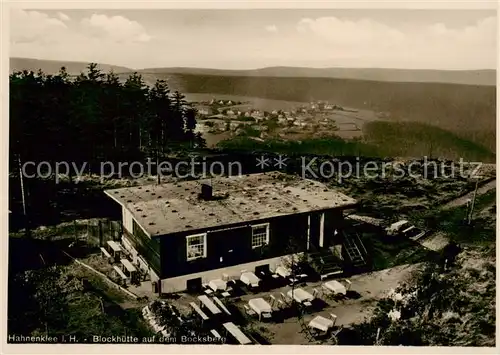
237 118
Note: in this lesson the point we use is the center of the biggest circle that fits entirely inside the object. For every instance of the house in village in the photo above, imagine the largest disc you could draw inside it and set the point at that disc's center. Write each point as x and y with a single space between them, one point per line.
256 113
204 110
236 124
200 128
188 233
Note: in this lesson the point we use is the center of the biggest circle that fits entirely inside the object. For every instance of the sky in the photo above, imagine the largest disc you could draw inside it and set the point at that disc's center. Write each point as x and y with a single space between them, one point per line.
247 39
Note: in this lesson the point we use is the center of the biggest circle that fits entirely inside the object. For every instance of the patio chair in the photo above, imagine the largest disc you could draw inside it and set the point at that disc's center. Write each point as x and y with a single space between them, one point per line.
349 284
249 311
334 318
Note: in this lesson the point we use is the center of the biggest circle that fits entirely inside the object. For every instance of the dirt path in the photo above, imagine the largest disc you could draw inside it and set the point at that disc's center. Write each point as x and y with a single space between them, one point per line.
438 241
463 199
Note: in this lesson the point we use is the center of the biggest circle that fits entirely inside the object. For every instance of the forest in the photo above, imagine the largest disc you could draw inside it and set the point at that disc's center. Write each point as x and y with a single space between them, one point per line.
84 120
95 117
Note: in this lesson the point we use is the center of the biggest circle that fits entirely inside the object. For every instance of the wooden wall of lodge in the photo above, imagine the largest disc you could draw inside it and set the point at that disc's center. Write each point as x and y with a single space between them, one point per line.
167 255
238 238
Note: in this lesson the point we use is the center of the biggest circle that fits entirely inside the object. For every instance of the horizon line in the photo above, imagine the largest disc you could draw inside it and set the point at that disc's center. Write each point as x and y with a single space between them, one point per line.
257 68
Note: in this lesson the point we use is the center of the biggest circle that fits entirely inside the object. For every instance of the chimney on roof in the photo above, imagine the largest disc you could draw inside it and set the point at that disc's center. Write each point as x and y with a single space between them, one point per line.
206 192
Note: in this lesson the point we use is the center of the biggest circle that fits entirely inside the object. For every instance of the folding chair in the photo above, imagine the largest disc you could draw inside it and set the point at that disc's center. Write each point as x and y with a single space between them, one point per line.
349 284
249 311
334 318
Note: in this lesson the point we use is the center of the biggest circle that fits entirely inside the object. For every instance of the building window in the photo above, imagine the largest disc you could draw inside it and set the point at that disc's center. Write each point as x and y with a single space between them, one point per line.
196 246
260 235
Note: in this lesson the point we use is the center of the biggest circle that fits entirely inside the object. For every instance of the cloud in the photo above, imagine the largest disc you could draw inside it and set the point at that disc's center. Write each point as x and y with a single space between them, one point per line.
32 26
97 38
272 28
484 32
35 26
313 41
116 28
339 31
369 41
63 17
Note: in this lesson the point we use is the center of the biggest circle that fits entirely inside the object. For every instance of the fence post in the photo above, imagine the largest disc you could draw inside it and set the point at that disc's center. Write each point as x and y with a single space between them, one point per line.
100 233
74 230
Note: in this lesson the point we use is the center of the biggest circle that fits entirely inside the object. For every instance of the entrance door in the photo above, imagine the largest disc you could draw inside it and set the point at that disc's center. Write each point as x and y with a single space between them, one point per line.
226 248
263 268
194 285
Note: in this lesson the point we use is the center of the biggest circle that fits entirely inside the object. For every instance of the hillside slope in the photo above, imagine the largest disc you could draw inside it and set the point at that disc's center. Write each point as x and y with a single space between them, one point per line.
463 109
466 77
53 66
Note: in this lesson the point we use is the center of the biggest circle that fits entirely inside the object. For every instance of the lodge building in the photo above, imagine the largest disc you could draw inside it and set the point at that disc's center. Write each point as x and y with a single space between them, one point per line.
186 233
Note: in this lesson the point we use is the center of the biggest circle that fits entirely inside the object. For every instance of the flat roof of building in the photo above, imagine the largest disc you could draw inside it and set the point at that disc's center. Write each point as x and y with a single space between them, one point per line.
176 207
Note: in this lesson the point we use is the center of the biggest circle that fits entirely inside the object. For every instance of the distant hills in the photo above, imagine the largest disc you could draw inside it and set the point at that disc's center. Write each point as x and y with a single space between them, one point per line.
53 66
466 77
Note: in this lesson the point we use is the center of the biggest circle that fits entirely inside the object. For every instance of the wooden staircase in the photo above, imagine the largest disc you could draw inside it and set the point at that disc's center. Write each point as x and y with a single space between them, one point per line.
354 249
